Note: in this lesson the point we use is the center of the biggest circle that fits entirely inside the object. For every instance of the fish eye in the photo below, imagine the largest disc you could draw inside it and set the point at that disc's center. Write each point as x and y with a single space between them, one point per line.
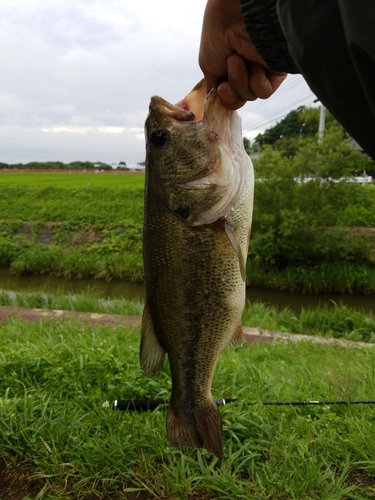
158 138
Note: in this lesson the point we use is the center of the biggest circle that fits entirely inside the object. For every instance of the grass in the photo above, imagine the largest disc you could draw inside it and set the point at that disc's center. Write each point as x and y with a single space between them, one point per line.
57 382
83 302
88 261
67 179
324 277
89 225
336 320
73 205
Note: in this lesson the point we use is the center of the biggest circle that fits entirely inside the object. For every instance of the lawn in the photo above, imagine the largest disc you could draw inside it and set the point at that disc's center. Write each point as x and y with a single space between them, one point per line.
67 179
60 439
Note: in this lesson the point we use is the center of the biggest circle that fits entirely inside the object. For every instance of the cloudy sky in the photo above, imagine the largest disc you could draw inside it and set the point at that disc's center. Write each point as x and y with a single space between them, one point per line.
77 76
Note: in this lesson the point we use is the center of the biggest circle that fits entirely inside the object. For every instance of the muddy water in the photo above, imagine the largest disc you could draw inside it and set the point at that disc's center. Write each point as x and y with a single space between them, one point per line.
50 284
133 291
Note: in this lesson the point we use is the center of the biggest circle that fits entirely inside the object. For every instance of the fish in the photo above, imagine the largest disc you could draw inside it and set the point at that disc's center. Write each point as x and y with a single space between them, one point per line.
198 203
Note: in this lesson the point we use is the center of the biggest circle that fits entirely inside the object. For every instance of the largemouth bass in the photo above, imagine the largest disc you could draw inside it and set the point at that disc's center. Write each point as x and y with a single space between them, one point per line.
198 208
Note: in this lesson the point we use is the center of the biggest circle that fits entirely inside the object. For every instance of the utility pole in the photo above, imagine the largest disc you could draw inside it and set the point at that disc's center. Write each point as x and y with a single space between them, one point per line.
322 121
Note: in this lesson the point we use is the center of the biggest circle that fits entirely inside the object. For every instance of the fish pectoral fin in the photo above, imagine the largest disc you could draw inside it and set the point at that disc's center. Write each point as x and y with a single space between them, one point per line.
151 354
236 247
238 336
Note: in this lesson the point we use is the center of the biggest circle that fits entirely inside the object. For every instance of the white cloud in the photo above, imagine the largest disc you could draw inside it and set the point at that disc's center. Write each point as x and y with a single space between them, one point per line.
64 109
84 70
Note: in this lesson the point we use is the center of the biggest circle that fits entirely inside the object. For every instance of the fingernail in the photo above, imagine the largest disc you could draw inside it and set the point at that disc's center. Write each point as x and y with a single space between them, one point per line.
234 68
226 94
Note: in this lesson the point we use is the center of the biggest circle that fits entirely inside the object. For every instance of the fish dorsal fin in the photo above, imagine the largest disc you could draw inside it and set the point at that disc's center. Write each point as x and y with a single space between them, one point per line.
151 355
236 247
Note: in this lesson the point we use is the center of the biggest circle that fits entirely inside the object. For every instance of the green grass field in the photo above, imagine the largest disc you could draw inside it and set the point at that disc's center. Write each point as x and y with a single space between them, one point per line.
89 225
65 179
60 439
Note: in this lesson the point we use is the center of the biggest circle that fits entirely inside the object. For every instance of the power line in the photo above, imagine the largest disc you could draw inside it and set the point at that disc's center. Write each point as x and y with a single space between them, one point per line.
271 117
278 111
251 108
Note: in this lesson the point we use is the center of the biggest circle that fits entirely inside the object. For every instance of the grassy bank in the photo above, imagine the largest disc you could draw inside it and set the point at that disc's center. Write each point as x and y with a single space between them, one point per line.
82 302
336 321
60 440
73 232
90 226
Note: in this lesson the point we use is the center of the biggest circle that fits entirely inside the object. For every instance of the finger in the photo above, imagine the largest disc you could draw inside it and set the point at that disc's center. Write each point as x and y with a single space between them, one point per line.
238 78
229 97
262 81
276 78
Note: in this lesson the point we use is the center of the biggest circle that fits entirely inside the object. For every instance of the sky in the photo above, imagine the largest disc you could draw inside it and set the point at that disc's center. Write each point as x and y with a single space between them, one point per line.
77 77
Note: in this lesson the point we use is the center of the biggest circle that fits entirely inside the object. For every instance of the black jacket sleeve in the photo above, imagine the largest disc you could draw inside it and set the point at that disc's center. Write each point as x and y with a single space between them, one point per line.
263 25
332 44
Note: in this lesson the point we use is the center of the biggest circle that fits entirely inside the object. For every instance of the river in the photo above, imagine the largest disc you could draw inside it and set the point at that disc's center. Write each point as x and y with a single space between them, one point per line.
134 291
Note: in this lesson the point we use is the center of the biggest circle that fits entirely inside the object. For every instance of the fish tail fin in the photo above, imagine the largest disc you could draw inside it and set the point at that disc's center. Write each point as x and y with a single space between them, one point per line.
196 429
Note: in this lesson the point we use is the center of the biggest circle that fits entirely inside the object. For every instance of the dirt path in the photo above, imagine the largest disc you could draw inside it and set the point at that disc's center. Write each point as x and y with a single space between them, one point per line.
251 334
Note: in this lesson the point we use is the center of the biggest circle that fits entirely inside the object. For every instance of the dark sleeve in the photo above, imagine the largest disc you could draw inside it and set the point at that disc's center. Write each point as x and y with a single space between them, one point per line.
332 43
263 25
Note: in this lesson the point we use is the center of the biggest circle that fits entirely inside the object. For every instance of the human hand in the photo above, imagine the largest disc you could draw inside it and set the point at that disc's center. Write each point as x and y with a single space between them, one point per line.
226 51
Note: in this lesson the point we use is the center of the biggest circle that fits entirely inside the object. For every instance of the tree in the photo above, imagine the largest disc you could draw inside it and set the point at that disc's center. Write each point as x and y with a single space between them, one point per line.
296 196
246 144
298 124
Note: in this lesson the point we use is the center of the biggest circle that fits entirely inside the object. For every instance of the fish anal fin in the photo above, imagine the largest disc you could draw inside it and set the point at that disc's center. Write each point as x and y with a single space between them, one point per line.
196 429
238 336
236 247
151 354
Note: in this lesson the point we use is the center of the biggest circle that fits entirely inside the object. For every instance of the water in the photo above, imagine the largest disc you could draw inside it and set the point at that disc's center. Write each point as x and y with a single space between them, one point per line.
50 284
296 301
134 291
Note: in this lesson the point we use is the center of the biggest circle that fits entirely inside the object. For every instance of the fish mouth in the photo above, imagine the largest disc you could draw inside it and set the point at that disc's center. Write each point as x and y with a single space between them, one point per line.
199 107
208 110
165 108
195 100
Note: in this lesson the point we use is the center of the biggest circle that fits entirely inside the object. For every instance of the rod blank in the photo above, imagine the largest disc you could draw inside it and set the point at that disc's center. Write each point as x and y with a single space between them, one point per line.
152 404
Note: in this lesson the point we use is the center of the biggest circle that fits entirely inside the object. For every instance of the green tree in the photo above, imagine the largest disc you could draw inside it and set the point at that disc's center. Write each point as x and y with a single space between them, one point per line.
298 124
296 196
247 145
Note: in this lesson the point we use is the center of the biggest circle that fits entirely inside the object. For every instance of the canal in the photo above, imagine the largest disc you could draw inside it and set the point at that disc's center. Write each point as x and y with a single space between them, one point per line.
134 291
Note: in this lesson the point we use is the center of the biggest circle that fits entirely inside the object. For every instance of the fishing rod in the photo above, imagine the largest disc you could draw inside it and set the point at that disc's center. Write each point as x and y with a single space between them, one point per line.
152 404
